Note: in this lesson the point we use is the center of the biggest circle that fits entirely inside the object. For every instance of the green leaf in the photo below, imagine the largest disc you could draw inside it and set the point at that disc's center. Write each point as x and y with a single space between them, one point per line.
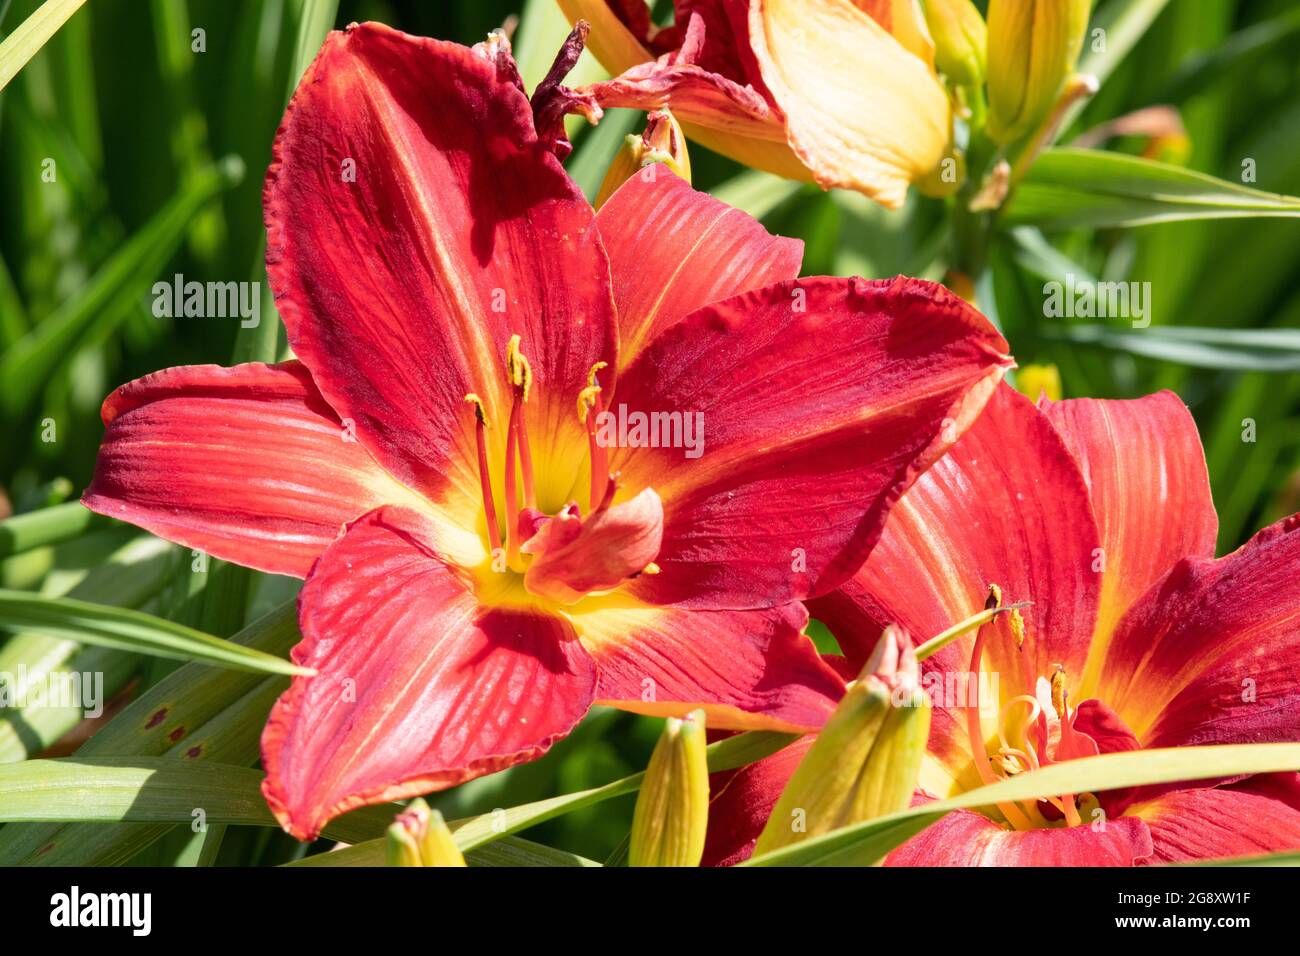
1204 70
32 34
130 630
152 790
514 851
543 28
261 342
1034 254
194 713
474 832
1247 350
315 21
595 150
128 577
140 789
1285 858
110 294
866 843
1123 23
1069 188
756 192
36 529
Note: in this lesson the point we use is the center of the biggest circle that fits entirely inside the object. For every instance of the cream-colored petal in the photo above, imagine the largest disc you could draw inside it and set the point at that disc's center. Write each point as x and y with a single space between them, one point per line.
903 19
862 112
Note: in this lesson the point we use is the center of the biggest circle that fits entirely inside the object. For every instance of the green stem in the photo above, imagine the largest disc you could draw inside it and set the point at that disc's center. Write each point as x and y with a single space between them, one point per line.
48 526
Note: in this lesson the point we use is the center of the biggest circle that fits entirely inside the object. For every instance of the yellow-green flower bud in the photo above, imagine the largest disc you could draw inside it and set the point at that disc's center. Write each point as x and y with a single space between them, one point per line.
865 761
960 39
419 837
1033 46
662 142
672 810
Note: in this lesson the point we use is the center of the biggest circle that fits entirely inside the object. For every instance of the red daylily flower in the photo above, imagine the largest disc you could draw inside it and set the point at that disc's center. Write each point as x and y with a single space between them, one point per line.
1098 512
504 562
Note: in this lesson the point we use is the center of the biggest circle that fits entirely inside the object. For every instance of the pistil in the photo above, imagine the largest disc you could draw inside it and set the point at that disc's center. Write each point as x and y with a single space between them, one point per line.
520 374
521 378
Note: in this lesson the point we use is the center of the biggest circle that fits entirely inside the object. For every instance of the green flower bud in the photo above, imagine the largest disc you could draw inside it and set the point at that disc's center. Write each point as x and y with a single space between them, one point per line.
960 39
865 761
662 142
419 837
672 810
1033 46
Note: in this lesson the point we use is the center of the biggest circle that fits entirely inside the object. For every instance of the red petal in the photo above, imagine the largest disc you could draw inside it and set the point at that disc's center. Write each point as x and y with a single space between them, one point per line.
401 289
1150 492
694 94
672 250
248 464
418 687
1220 822
821 401
573 556
743 799
749 670
1006 506
967 838
1210 653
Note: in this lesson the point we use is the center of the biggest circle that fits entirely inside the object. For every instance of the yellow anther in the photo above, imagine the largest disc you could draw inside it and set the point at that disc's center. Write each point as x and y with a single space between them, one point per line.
591 376
1058 691
650 568
518 370
995 597
587 401
1017 627
477 402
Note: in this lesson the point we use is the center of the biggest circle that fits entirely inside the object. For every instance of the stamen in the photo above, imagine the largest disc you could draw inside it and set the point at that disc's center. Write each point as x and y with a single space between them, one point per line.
1060 703
979 751
589 410
518 369
512 489
526 461
484 475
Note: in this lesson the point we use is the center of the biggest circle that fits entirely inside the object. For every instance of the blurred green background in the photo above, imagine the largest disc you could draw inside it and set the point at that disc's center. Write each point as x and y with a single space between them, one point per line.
159 154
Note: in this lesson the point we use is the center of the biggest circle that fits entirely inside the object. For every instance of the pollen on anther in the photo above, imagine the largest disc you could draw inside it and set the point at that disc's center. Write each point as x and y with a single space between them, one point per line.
518 369
587 401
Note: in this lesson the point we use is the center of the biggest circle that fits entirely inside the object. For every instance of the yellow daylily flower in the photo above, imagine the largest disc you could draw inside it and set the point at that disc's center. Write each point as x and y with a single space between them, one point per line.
843 93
